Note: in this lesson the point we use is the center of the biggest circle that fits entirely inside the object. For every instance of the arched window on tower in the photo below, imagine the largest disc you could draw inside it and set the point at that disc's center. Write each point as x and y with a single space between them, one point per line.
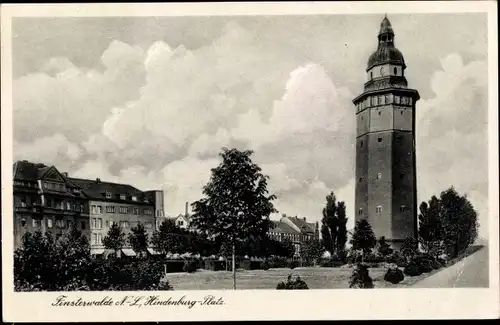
360 211
379 209
395 71
371 75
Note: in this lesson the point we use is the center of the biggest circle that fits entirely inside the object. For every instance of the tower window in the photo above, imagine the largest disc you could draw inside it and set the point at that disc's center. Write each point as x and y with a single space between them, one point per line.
411 101
387 99
401 176
361 143
401 112
360 179
379 209
360 211
396 99
379 139
402 208
371 75
379 113
396 71
379 176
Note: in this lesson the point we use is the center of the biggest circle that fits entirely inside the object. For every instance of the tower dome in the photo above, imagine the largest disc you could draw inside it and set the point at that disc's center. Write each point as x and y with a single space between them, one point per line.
386 51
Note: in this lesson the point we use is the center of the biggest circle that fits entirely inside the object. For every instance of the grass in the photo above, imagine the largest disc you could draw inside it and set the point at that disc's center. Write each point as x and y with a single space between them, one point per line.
315 277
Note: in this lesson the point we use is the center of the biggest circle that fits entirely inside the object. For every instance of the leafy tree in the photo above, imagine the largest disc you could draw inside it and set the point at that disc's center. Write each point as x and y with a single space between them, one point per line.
169 238
72 256
430 229
459 222
312 250
115 238
287 248
329 223
236 203
34 262
342 229
383 248
363 237
138 238
409 248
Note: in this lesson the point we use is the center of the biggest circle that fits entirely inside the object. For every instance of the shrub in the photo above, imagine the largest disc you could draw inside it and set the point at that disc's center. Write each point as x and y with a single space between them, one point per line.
265 265
326 263
396 258
412 270
293 264
297 284
190 266
353 257
394 275
360 277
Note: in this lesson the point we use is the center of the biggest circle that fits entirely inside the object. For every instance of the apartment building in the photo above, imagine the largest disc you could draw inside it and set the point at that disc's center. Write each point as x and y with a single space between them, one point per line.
122 204
46 200
297 230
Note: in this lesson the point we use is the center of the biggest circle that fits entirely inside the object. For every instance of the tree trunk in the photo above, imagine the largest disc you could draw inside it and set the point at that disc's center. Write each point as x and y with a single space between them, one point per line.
234 267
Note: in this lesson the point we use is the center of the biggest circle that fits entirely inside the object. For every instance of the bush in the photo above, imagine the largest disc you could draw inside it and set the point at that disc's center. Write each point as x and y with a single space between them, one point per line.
297 284
190 266
265 265
353 257
396 258
412 270
421 264
360 277
394 275
293 264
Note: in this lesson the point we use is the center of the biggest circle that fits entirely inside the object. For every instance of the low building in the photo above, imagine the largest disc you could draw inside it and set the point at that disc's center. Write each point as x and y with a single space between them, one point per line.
46 200
297 230
121 204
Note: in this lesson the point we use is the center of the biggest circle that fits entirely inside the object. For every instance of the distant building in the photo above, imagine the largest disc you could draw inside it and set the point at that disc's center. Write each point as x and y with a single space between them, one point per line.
46 200
297 230
122 204
183 221
156 197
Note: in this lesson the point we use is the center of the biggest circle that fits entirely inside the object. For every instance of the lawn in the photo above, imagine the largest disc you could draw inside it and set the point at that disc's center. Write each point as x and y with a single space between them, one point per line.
315 277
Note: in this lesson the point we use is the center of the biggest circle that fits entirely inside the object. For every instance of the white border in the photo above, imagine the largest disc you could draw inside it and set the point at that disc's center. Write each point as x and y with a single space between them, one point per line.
258 304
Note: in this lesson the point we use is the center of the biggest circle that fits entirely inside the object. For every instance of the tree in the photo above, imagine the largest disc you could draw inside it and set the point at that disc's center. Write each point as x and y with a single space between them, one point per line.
430 230
363 237
72 256
409 248
312 250
329 224
459 222
34 263
236 203
115 238
384 249
138 238
342 229
169 238
287 248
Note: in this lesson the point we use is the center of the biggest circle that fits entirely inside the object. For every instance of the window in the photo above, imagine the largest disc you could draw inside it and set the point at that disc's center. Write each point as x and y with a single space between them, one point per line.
23 223
360 211
68 206
60 223
401 176
371 75
361 143
108 195
148 225
410 101
387 99
99 223
36 223
93 209
401 112
379 113
94 239
122 196
402 208
395 71
83 225
380 100
124 224
379 139
99 209
136 210
379 209
375 100
360 179
110 209
379 176
49 223
396 99
148 212
81 208
107 223
361 117
93 223
123 210
99 239
134 198
181 223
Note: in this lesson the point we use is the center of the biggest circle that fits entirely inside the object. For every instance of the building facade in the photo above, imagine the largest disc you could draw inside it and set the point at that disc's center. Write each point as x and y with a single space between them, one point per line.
297 230
46 200
121 204
385 144
157 198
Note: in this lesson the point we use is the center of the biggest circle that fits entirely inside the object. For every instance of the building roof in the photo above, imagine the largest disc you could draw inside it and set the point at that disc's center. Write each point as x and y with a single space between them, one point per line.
281 227
303 224
25 170
386 51
97 189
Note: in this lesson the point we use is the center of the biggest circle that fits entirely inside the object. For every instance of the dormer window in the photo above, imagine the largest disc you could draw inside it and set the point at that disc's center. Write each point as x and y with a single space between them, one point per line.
108 195
134 198
122 196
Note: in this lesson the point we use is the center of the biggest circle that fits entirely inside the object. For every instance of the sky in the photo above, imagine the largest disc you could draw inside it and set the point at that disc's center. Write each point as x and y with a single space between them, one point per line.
150 101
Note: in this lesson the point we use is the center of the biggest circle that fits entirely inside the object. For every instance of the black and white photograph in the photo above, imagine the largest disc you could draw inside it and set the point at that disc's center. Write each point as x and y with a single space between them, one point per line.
264 152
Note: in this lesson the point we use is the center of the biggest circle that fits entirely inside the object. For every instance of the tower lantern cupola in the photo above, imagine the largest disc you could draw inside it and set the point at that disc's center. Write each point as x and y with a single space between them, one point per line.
386 52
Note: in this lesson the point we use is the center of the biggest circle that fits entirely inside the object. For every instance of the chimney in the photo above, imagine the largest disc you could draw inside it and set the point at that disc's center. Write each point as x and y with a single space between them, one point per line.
65 174
97 180
186 209
304 218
